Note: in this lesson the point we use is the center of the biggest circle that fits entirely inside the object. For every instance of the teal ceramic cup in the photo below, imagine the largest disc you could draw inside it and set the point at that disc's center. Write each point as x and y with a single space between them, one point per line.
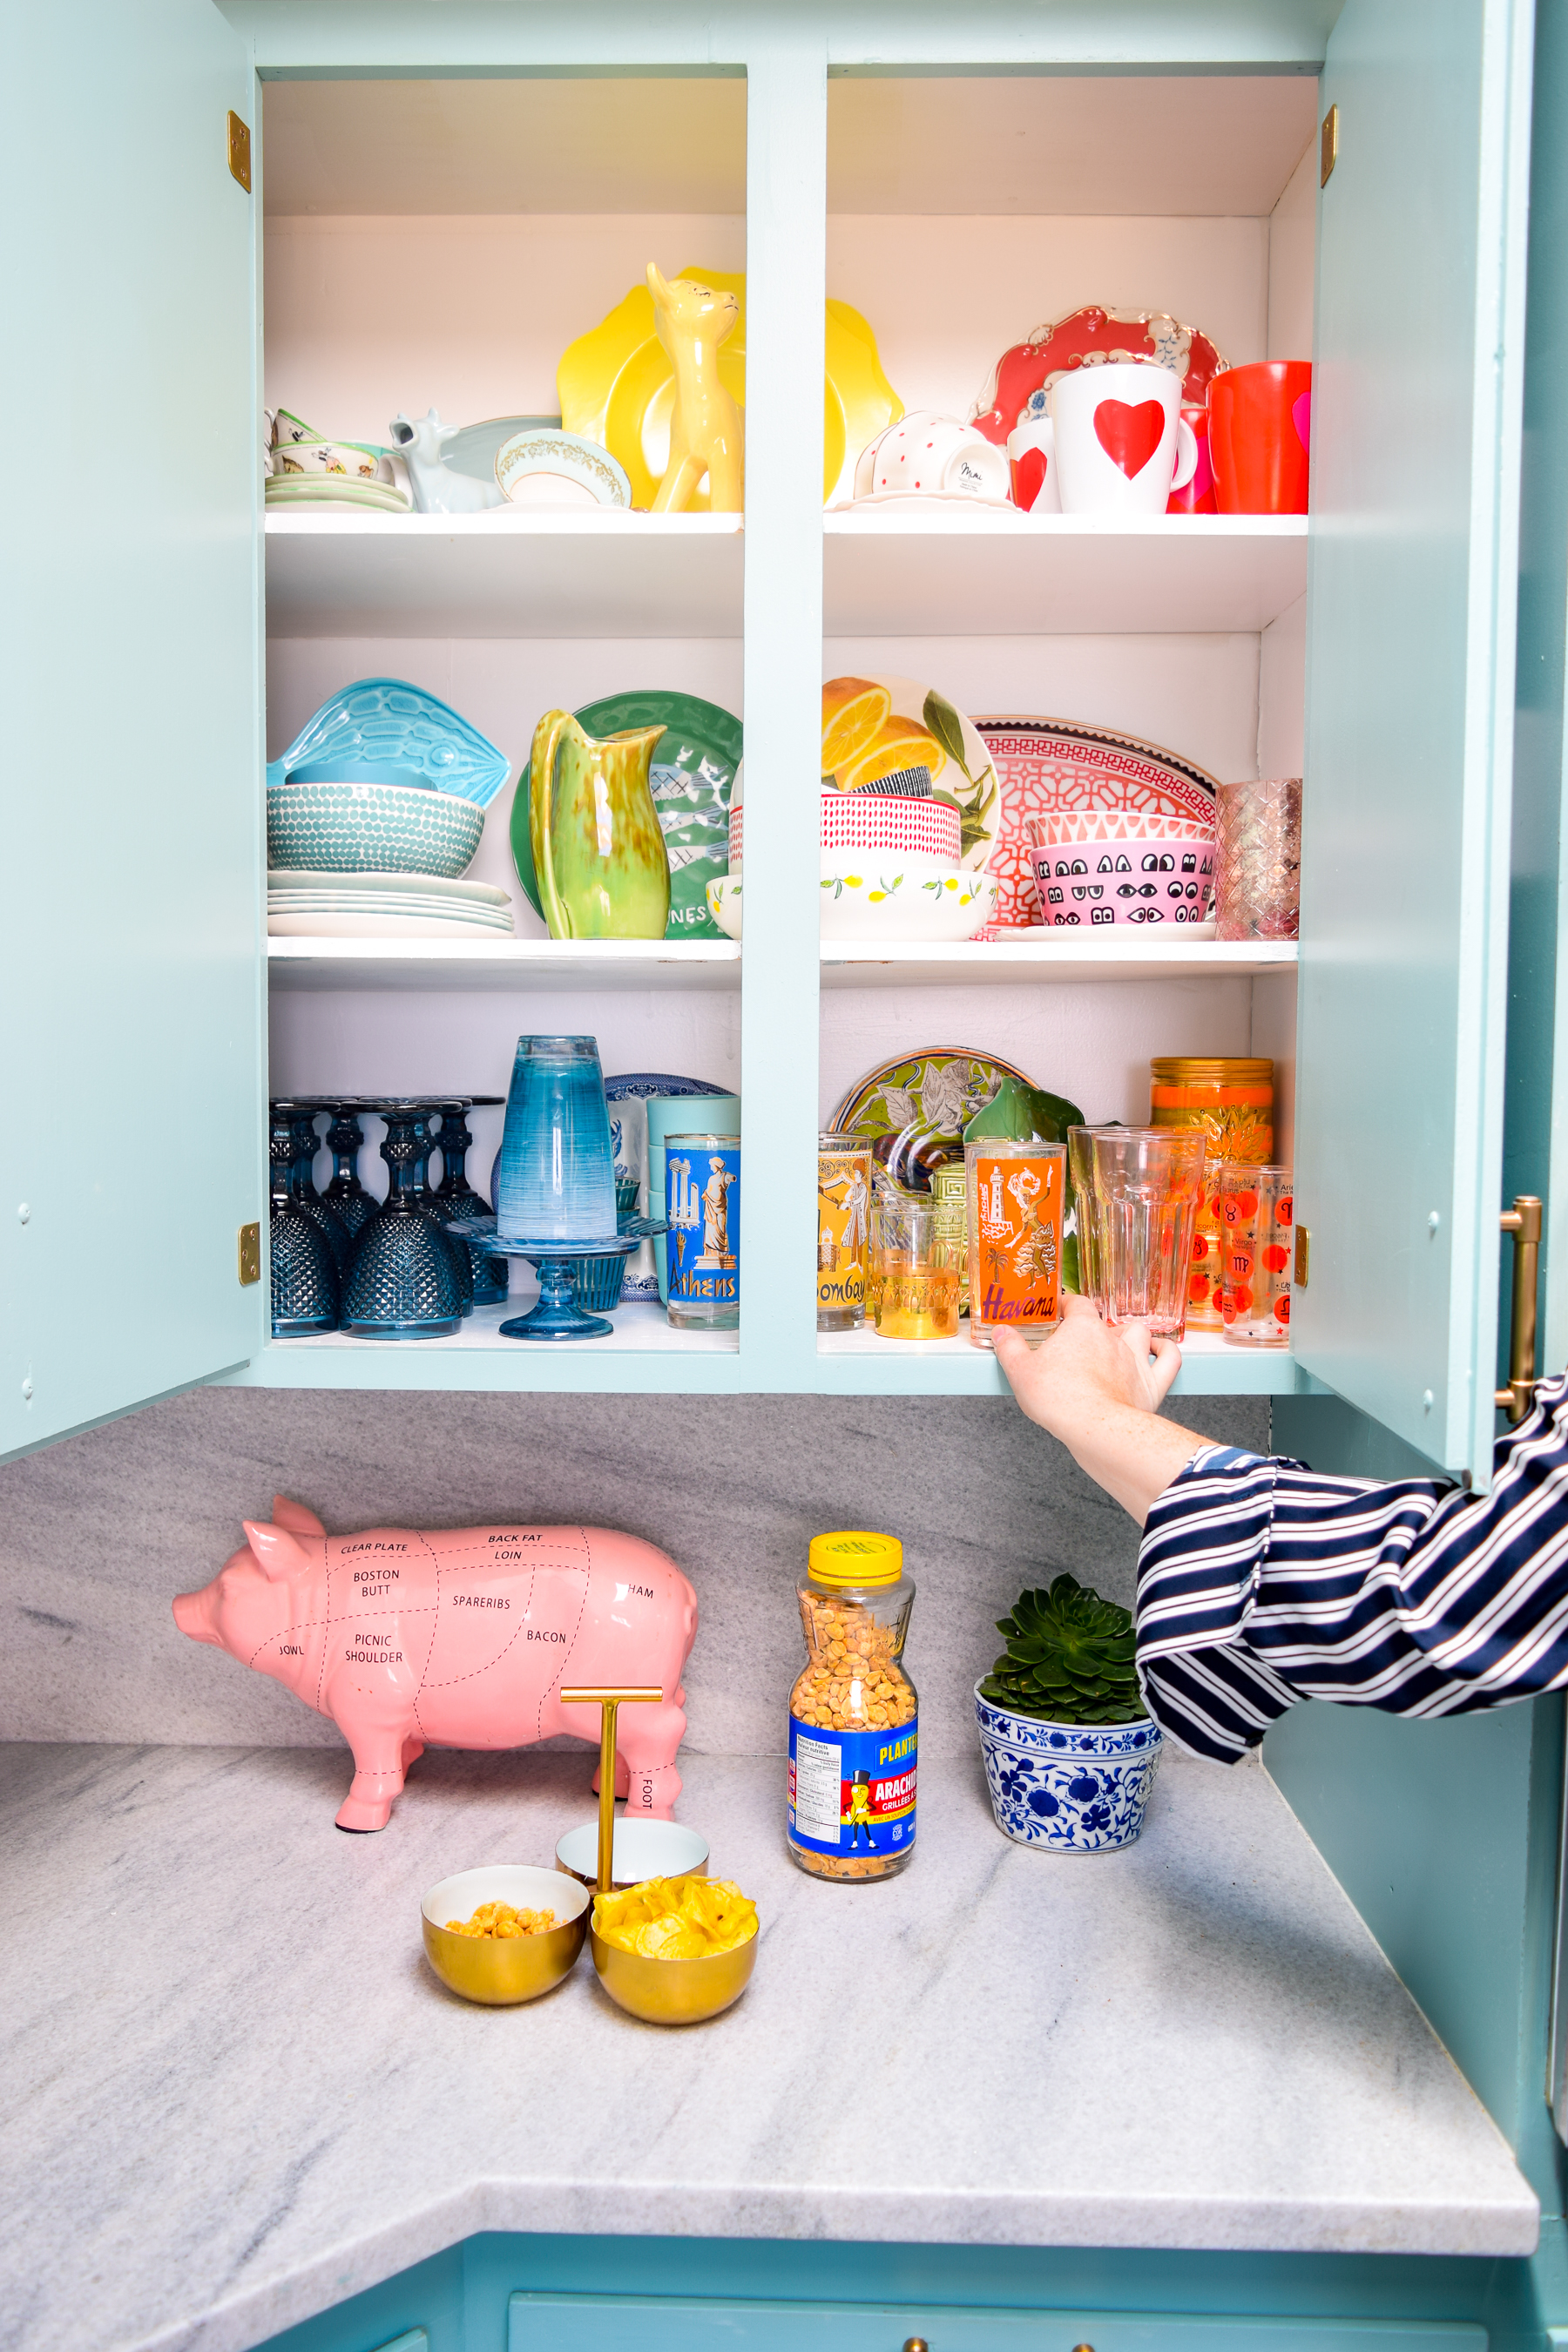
678 1115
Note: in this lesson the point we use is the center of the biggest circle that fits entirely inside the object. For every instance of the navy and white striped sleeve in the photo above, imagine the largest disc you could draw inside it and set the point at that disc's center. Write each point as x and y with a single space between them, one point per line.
1261 1583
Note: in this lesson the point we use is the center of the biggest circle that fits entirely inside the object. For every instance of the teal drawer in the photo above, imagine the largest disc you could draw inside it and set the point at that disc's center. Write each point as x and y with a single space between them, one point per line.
612 2322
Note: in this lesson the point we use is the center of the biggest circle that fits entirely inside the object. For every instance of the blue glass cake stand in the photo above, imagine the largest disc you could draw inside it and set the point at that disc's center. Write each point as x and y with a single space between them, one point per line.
557 1315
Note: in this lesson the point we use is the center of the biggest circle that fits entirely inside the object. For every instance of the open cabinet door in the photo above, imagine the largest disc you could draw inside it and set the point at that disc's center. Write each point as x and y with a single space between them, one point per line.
1410 602
130 937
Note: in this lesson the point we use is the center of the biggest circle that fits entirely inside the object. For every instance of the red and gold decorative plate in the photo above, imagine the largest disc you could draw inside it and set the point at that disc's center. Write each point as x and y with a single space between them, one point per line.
1050 766
1095 335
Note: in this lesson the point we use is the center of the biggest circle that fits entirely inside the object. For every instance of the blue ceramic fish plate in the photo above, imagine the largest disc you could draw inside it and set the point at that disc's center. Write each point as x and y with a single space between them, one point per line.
385 718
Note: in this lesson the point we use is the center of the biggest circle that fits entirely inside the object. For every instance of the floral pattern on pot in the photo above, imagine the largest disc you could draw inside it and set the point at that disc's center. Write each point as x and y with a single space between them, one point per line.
1069 1787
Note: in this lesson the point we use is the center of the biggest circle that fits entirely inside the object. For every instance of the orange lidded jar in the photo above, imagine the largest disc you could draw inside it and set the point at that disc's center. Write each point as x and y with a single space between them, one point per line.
852 1719
1232 1099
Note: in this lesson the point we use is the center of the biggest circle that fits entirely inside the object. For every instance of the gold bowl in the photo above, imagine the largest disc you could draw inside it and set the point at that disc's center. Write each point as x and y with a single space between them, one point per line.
674 1992
502 1970
642 1850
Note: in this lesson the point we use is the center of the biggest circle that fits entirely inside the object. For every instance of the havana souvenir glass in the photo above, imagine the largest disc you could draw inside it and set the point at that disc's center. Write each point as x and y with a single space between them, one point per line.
557 1177
1232 1100
1255 1209
702 1248
1018 1201
344 1194
843 1231
305 1293
915 1268
404 1283
1148 1183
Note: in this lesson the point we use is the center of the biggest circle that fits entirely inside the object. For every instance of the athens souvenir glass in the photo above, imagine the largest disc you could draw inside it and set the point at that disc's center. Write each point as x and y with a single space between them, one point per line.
1148 1183
915 1268
1017 1202
702 1248
1254 1208
843 1231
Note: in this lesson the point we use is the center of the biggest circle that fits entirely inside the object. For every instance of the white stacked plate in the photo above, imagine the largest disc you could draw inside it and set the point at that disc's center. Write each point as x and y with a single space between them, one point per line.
301 905
340 490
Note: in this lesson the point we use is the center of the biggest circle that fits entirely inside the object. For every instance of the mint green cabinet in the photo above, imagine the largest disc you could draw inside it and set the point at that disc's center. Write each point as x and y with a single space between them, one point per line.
129 946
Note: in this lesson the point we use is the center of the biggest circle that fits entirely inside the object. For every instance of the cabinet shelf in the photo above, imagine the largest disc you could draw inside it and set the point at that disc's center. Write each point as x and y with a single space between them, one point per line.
599 965
961 572
1210 1366
507 573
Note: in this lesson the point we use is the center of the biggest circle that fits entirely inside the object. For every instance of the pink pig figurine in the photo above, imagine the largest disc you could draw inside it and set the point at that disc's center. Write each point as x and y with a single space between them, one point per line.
462 1638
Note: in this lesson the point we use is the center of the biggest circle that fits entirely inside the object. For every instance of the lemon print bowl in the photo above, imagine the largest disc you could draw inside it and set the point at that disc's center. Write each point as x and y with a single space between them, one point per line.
887 899
365 828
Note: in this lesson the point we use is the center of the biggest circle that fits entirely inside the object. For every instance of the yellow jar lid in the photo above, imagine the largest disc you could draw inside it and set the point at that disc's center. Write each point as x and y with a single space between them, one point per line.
857 1555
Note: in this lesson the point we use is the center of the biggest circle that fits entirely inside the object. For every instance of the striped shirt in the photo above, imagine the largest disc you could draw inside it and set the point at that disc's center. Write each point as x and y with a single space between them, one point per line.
1261 1583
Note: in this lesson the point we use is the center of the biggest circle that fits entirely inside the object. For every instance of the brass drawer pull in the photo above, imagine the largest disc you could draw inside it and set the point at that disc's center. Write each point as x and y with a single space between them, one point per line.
1523 1222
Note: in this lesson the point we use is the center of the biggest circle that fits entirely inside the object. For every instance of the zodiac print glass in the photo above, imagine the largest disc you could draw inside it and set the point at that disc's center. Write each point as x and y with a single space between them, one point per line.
915 1268
1148 1181
557 1167
1017 1195
1255 1209
702 1195
843 1231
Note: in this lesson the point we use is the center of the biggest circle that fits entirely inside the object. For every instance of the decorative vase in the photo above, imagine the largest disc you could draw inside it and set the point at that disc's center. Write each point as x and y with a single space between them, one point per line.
1067 1788
598 851
557 1181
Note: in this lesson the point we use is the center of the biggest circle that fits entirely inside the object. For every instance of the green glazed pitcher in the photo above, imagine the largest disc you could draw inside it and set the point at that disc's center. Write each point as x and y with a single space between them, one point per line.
598 851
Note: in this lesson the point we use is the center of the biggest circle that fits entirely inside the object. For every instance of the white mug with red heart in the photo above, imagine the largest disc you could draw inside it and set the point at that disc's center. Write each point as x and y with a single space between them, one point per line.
1116 440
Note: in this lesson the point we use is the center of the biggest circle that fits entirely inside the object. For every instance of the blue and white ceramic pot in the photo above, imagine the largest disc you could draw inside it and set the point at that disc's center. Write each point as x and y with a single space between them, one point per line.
1067 1788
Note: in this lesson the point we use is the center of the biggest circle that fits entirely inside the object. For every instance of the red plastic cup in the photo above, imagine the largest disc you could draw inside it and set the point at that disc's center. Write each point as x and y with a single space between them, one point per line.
1259 434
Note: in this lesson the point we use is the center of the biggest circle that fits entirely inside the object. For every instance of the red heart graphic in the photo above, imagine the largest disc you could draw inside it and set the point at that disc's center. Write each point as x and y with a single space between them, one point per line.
1128 435
1029 474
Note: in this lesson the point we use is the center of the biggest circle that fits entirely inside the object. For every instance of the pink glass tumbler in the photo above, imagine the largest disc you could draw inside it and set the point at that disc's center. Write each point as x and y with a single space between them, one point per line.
1148 1183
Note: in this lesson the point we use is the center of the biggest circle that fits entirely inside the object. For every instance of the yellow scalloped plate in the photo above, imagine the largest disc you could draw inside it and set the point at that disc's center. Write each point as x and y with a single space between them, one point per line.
616 387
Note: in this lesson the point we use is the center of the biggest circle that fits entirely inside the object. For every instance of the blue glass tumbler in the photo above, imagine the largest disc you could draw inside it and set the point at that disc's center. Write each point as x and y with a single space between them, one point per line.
344 1192
403 1283
557 1167
454 1196
305 1294
301 1119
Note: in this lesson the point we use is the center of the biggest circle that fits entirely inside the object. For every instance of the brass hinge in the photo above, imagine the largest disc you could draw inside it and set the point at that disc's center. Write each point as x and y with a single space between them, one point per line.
1523 1222
1303 1257
1328 146
239 149
249 1256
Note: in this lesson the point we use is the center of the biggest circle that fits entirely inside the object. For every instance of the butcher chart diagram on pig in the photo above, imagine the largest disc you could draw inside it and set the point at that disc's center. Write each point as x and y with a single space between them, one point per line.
456 1638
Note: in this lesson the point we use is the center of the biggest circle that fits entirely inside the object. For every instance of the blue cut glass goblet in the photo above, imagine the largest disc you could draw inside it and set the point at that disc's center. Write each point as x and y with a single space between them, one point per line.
344 1192
305 1293
454 1196
300 1117
404 1282
557 1167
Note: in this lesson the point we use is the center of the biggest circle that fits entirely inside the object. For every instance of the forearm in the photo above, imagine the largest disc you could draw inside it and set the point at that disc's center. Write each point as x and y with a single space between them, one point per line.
1132 1454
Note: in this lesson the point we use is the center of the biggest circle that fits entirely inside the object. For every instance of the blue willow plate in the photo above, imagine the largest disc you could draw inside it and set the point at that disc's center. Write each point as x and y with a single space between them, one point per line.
385 719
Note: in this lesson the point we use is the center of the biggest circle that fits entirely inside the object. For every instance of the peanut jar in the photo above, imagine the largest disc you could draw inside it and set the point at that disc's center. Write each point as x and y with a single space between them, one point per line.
853 1724
1233 1101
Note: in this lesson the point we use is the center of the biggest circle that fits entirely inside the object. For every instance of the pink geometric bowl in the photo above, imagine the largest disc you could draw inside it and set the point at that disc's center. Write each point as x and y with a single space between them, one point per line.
1155 879
1074 826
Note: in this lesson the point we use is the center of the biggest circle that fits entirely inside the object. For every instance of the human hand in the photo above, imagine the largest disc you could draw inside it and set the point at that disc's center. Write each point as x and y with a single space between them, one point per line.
1093 1385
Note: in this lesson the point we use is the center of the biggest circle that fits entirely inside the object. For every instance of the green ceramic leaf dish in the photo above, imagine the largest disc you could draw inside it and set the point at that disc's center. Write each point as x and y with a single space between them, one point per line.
693 768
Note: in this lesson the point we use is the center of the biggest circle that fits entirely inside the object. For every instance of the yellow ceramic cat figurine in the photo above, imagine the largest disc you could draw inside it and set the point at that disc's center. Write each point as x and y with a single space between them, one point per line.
706 436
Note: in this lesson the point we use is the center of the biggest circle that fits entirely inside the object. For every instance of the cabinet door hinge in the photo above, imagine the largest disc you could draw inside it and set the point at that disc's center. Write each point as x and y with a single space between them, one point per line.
239 149
249 1256
1328 146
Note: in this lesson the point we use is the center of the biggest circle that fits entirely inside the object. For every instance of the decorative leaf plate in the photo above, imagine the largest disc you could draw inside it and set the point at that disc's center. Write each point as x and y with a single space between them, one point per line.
386 719
939 1089
694 766
872 726
617 387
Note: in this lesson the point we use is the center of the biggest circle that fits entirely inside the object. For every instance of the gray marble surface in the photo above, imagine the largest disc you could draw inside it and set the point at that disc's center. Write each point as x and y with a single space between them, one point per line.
237 2095
99 1533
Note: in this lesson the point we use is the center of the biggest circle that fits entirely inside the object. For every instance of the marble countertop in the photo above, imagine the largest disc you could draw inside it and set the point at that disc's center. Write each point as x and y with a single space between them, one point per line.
237 2095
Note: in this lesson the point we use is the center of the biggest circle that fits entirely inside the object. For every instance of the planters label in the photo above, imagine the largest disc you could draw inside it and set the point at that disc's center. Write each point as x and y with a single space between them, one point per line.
852 1791
702 1193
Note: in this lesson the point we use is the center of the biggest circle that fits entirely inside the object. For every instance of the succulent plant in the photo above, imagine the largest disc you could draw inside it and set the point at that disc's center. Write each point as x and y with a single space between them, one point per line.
1069 1658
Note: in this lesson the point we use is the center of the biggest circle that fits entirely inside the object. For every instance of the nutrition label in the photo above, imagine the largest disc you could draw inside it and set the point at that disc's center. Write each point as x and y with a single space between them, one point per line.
815 1777
855 1794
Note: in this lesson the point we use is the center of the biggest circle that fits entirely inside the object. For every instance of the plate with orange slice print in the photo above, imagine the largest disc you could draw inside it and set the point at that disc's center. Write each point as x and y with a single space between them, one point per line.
874 726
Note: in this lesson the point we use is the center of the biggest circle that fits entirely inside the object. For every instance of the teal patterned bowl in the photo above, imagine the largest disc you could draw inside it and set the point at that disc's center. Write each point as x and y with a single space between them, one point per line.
371 829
